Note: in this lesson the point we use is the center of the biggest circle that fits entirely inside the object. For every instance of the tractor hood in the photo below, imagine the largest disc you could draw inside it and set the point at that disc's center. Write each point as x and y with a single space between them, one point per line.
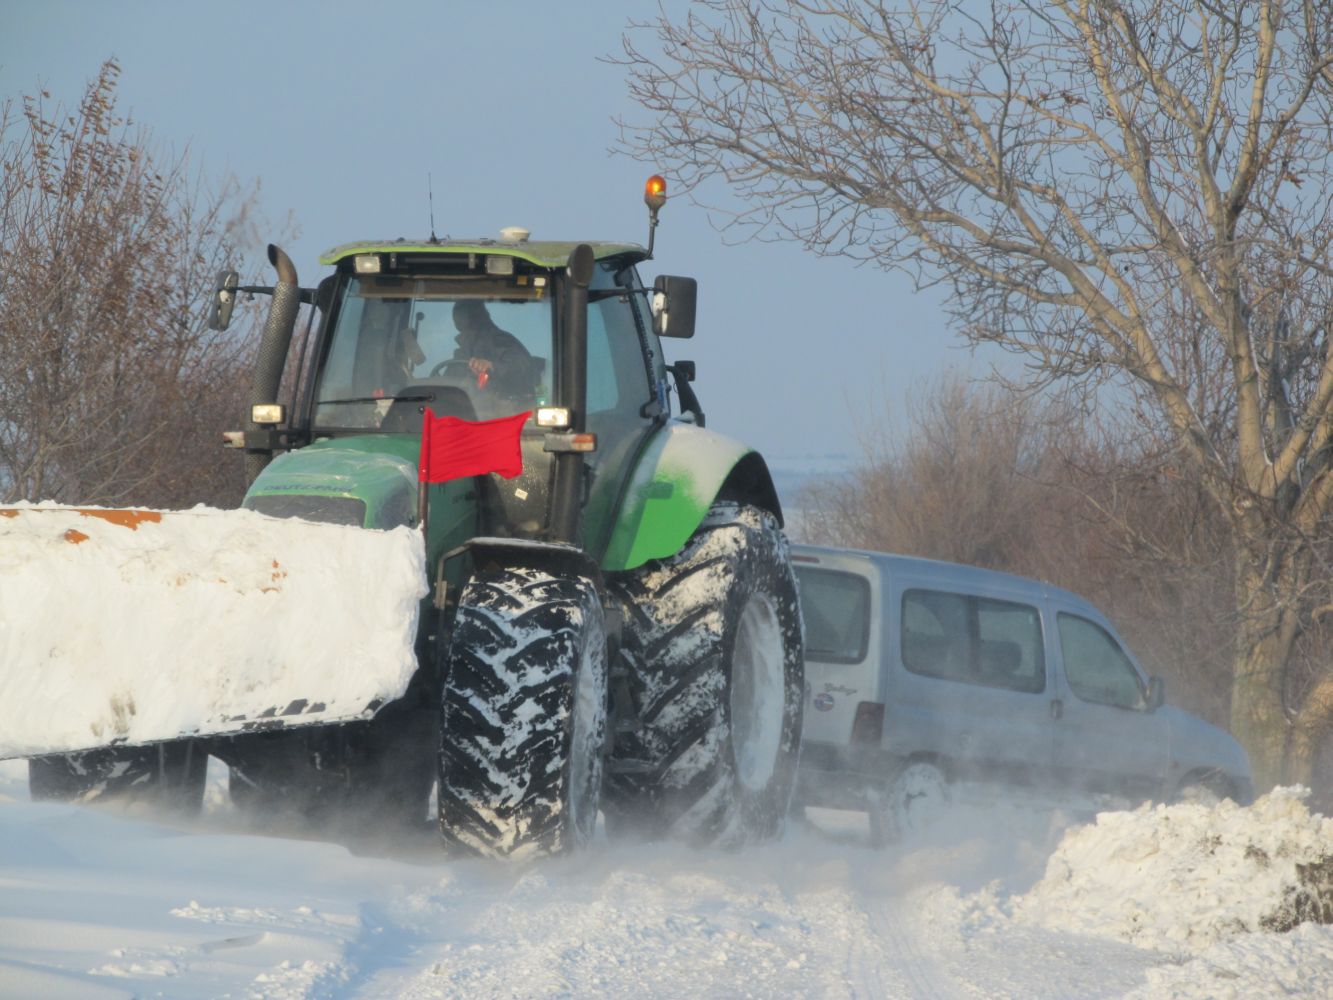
367 480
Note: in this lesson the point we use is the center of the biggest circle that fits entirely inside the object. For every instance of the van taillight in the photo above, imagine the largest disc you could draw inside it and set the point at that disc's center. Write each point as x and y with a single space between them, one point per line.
868 726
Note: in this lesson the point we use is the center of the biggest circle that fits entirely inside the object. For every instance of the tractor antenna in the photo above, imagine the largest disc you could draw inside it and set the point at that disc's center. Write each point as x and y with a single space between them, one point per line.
430 197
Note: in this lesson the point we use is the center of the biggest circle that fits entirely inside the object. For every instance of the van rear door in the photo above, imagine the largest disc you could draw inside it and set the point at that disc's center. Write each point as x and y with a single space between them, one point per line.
839 599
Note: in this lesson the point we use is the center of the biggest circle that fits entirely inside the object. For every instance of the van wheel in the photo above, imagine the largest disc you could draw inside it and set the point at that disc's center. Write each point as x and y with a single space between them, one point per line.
713 652
1203 790
913 803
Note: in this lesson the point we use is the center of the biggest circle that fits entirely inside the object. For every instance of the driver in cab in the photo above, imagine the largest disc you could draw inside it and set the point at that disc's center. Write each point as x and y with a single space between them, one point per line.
496 357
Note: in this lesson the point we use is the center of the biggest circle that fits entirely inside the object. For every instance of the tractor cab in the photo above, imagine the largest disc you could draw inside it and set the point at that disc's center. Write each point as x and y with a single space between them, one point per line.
483 330
472 329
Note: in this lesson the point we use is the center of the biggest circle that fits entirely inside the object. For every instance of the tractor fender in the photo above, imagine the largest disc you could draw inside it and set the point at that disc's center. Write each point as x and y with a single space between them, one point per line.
558 558
679 474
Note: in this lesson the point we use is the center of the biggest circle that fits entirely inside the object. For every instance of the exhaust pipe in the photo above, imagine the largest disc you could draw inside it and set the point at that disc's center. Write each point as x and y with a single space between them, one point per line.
273 346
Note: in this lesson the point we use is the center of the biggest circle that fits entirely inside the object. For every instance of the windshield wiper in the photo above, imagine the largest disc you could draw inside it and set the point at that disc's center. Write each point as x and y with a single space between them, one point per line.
426 398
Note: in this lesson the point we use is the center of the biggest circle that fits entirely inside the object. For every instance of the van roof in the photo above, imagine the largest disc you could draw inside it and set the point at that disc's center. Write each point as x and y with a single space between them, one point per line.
938 570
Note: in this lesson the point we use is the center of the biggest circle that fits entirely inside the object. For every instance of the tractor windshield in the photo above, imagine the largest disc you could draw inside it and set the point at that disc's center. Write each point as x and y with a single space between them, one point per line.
475 348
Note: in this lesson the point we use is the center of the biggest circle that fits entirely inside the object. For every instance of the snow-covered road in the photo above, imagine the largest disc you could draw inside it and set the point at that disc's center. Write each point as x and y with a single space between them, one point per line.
94 904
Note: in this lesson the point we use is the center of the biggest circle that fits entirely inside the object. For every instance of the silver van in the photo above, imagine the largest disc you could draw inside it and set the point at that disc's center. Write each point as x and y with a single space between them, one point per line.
920 674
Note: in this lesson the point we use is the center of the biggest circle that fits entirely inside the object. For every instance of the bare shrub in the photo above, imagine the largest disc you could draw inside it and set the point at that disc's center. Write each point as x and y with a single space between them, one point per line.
111 389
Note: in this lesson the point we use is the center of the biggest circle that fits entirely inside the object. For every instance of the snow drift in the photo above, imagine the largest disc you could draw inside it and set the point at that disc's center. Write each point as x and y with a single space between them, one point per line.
1184 877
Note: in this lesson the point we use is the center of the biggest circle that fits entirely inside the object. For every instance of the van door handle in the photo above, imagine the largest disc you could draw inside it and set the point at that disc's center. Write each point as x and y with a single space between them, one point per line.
1057 708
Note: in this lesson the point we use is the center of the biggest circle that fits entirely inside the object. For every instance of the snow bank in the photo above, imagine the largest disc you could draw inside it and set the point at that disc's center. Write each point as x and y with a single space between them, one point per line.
148 627
1184 878
1249 967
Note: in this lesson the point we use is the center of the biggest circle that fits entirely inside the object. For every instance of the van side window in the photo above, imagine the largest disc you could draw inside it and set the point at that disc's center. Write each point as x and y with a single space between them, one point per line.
1009 647
836 609
975 640
1096 667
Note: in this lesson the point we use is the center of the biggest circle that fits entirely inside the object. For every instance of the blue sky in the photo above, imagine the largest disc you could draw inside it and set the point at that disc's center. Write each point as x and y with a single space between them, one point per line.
342 109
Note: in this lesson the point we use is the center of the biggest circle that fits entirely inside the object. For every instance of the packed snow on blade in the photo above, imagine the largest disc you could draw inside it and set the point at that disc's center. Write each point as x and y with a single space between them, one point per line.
134 626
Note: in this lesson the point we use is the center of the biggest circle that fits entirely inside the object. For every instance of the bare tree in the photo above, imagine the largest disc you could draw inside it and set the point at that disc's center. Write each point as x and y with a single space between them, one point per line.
1115 190
111 389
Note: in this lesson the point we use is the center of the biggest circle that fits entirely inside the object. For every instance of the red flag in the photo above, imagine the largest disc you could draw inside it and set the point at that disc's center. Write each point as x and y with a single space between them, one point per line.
452 448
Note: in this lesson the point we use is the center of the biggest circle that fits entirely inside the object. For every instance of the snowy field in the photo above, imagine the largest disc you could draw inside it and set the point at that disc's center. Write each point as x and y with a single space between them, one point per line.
1006 902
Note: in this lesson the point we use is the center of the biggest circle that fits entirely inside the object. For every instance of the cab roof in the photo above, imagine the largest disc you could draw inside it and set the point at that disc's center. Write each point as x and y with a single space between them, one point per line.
542 253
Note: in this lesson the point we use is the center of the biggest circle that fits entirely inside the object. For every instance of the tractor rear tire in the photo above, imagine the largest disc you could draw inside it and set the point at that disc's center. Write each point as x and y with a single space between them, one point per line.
715 673
523 723
168 776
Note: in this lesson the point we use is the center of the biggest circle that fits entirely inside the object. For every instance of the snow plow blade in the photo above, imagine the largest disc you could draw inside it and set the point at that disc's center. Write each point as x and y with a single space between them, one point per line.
127 627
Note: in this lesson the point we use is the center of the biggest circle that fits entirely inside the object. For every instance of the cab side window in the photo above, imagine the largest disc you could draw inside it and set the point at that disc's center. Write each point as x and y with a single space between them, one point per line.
974 640
617 376
1096 667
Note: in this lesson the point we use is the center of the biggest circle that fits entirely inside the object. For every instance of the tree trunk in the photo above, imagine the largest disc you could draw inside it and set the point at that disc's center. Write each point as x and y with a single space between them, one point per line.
1312 726
1257 719
1265 636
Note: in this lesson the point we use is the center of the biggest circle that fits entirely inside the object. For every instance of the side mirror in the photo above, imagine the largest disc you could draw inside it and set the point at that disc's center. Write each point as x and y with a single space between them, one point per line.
673 306
223 301
1156 693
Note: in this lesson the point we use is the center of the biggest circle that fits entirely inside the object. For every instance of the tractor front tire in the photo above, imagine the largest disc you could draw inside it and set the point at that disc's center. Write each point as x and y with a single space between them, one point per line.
715 673
523 724
168 777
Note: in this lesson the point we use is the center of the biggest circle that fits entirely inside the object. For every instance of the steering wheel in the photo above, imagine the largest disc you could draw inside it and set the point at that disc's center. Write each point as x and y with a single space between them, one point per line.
456 368
452 366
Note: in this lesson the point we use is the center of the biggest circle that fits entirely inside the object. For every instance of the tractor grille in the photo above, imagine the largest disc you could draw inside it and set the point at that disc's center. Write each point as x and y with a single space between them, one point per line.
327 510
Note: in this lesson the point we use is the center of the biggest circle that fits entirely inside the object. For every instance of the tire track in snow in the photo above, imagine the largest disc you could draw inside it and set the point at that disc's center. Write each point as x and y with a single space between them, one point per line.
890 962
661 923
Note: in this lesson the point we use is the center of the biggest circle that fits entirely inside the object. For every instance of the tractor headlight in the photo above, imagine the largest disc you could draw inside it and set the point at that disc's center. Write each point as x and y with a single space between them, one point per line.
268 413
553 416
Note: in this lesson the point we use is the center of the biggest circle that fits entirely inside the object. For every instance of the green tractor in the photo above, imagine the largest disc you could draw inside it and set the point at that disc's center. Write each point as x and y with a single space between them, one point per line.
611 620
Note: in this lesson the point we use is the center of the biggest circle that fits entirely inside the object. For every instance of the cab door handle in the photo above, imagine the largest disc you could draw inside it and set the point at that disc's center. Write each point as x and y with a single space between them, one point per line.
1057 708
